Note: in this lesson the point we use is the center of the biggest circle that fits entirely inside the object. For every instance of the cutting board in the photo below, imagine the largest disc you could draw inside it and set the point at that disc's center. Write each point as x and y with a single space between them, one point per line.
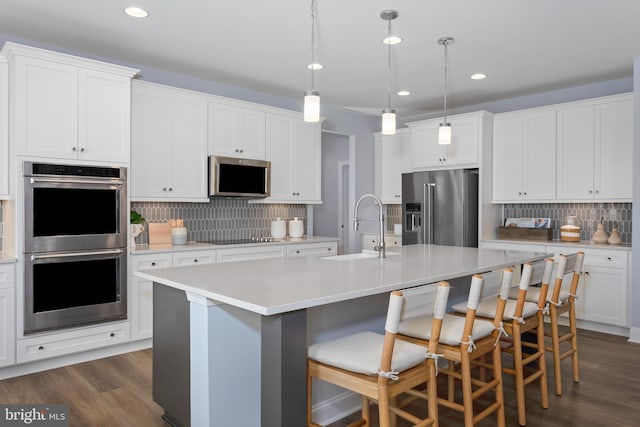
159 233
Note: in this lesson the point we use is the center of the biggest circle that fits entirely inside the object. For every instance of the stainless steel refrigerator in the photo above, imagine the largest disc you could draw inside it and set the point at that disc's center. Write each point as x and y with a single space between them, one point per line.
440 207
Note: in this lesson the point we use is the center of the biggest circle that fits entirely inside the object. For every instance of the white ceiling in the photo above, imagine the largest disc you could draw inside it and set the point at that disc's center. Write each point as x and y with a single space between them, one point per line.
524 46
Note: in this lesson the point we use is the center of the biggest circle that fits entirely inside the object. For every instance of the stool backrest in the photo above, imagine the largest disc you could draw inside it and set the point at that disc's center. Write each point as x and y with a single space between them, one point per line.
567 274
525 281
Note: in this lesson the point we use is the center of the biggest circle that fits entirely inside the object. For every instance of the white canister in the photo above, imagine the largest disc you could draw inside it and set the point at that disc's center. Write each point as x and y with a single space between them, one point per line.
278 228
296 227
179 235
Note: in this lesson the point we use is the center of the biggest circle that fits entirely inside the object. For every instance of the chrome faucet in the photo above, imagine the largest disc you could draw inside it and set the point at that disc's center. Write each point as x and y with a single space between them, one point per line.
380 247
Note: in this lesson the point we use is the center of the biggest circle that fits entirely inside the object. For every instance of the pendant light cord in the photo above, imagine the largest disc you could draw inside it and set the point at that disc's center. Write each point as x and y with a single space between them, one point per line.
446 44
389 64
313 43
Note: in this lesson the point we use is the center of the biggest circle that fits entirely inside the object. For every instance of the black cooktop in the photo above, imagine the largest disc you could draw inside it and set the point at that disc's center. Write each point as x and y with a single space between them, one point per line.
243 241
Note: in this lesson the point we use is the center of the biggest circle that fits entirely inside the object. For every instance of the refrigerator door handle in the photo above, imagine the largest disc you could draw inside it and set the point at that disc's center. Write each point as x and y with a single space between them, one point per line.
429 188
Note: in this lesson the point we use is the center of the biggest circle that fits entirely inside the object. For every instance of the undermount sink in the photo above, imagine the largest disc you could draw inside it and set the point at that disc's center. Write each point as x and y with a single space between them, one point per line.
361 255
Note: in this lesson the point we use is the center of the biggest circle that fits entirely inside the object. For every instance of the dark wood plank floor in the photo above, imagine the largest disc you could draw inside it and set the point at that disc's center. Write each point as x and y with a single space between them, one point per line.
116 391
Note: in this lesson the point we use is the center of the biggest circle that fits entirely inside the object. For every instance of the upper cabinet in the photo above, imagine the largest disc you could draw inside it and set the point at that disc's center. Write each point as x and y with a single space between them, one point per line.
67 107
595 150
524 160
169 144
4 128
467 132
389 153
236 131
294 150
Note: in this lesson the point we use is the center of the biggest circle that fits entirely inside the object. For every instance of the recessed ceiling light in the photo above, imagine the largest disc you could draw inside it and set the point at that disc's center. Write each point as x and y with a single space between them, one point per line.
392 40
404 93
315 66
478 76
136 12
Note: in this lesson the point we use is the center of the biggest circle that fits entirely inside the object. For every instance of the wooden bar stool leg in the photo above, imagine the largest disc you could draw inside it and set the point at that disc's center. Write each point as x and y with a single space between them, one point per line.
451 383
467 396
497 374
432 392
366 411
519 373
555 346
309 398
542 362
574 341
383 402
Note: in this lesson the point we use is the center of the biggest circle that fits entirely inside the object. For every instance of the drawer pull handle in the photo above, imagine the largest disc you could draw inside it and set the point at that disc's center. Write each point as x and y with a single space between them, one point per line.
609 258
329 249
112 334
41 347
195 260
153 264
297 251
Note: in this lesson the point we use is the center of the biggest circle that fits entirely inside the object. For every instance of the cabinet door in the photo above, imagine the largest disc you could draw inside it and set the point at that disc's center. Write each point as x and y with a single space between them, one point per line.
605 295
464 146
104 116
508 154
281 131
4 129
575 153
236 131
141 294
45 108
307 163
425 149
314 250
614 150
388 173
251 253
539 163
186 146
7 327
148 143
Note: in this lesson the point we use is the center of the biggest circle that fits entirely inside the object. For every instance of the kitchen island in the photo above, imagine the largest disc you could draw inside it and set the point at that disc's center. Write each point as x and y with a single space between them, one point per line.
248 320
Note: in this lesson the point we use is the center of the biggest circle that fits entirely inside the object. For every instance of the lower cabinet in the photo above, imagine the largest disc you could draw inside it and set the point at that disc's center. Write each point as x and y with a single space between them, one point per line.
251 253
314 250
7 316
141 294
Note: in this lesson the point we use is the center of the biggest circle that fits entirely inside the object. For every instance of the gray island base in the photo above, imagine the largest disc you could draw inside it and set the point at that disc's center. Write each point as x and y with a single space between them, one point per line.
249 322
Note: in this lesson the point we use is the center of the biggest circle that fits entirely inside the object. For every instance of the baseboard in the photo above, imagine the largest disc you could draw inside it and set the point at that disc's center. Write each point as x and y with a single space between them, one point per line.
597 327
634 335
334 409
71 359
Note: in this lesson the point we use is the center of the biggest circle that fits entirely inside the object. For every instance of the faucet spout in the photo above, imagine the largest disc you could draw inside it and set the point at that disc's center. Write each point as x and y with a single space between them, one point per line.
381 247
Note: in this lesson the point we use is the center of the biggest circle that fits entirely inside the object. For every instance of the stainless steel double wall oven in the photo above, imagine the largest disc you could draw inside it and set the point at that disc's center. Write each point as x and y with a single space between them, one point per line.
75 223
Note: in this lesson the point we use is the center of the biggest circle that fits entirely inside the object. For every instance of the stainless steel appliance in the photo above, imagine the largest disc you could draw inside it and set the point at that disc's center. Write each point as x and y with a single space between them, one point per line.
75 221
232 177
440 207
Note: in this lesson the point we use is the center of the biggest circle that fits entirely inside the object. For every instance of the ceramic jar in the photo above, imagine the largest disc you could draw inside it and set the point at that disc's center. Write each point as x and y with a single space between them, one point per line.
278 228
296 227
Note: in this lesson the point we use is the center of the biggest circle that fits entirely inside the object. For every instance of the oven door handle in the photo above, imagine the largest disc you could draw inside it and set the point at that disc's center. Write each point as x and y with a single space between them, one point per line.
75 254
77 181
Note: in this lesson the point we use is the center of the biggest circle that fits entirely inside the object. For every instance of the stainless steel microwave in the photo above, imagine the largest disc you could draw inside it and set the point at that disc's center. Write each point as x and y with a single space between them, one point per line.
233 177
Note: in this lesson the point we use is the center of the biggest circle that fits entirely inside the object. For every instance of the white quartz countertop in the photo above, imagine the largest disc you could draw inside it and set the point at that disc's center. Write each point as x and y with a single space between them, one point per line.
191 246
6 258
560 244
281 285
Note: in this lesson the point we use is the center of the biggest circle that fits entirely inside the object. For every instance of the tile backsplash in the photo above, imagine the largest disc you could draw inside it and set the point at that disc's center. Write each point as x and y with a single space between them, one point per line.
220 219
1 230
587 215
394 216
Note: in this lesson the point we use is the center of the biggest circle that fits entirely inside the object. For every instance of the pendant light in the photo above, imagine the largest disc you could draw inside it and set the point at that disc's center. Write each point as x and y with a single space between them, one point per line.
312 97
388 115
444 132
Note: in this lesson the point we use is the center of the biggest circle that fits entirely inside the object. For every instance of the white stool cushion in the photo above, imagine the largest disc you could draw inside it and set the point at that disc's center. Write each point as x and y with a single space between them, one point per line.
533 294
362 352
487 308
451 332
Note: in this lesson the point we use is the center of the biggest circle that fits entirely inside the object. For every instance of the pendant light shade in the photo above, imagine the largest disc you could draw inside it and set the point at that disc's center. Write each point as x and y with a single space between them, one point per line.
388 115
311 106
444 133
312 97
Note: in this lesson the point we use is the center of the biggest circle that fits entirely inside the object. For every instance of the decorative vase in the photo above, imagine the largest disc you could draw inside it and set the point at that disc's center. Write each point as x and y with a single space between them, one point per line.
136 229
614 238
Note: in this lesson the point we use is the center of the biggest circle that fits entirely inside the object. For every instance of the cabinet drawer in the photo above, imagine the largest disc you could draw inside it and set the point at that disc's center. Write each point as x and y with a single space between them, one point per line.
312 249
59 344
251 253
194 257
145 262
6 276
616 259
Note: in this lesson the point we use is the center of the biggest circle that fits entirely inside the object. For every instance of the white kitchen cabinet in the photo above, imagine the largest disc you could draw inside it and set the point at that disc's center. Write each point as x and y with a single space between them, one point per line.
524 156
251 253
236 131
466 142
595 147
66 107
194 257
169 144
4 128
314 250
369 241
141 294
59 344
294 150
7 316
389 165
605 287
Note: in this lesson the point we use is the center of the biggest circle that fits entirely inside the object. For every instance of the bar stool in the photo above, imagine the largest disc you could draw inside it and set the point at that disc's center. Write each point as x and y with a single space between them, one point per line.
463 340
521 316
379 368
562 300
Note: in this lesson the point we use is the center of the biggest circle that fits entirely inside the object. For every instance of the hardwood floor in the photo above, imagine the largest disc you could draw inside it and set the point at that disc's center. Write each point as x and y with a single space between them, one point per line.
116 391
